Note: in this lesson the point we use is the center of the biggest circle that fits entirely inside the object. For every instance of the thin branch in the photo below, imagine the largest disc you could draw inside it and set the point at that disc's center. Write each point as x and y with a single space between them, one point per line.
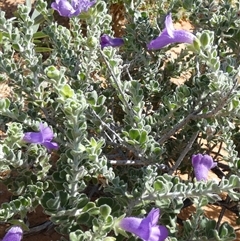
126 162
195 116
136 163
135 151
176 128
184 153
219 150
107 127
228 199
223 101
37 229
117 84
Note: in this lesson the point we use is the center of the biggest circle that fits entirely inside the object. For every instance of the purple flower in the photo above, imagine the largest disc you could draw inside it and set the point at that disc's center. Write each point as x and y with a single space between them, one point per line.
13 234
145 228
67 9
106 41
170 35
201 165
43 137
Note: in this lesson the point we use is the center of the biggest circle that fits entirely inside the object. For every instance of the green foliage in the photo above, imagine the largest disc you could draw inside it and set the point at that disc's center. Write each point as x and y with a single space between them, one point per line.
109 108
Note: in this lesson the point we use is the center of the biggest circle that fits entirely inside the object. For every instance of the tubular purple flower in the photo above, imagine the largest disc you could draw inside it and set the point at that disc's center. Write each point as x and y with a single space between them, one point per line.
43 137
13 234
201 165
170 35
67 9
145 228
106 41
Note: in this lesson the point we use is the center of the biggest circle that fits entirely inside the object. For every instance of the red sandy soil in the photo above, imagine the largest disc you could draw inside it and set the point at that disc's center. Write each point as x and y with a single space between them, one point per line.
9 6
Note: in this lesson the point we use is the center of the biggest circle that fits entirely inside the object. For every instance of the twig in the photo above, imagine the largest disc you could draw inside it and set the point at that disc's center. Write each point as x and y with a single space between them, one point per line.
126 162
39 228
218 152
220 105
117 84
195 116
228 199
121 141
184 153
162 167
176 128
107 127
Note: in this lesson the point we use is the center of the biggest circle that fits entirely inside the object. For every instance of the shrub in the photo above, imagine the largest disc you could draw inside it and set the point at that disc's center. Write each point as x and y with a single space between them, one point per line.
123 128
